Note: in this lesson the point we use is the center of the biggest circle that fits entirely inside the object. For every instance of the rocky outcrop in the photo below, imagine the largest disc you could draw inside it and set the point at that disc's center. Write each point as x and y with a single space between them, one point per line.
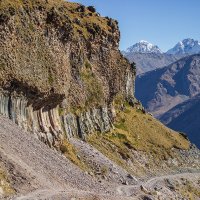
48 125
88 122
60 68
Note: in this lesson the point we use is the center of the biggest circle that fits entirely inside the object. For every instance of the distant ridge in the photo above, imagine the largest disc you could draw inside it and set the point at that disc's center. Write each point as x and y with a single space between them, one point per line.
187 46
143 47
148 56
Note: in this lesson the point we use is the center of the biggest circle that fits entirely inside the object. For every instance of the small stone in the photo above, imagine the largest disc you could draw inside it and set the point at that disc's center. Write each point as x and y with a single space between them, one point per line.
157 188
144 189
146 198
125 183
132 177
91 173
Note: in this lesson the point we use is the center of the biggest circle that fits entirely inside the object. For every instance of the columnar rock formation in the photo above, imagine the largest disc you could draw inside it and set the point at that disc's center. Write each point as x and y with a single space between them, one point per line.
60 69
48 125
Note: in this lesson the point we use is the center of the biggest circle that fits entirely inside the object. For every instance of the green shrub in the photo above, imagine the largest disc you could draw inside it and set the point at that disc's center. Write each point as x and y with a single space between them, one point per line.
93 87
88 65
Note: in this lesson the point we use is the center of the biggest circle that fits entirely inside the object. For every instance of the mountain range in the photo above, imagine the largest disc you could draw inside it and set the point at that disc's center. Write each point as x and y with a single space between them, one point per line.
163 91
187 46
149 57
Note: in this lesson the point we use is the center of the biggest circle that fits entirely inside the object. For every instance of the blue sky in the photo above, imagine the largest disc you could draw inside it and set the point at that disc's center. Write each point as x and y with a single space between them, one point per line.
161 22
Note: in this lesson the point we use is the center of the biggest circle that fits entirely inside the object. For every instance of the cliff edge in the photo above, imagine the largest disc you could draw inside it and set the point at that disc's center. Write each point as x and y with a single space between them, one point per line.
60 59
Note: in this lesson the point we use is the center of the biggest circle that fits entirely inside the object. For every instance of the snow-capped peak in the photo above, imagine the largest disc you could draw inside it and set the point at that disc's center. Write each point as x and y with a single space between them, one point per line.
143 47
144 41
186 46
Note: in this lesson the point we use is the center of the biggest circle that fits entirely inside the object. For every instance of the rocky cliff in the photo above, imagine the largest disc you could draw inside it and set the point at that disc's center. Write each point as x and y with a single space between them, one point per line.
60 68
64 81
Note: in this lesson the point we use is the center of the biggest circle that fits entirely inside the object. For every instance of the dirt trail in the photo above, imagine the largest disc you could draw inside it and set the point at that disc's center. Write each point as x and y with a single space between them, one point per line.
38 172
162 183
35 167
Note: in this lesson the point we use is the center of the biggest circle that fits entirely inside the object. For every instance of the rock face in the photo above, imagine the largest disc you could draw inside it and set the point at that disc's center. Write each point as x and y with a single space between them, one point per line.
60 68
162 89
185 117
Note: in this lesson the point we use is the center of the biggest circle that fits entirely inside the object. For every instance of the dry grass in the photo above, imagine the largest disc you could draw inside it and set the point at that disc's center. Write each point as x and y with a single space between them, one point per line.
87 19
137 131
145 133
190 191
31 3
93 87
4 183
70 152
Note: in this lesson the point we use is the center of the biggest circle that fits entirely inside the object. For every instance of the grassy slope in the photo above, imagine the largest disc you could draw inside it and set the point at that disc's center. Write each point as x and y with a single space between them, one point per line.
138 131
88 19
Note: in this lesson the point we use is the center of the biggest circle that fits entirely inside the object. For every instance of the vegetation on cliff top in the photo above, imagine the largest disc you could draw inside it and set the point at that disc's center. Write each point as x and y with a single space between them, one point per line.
85 21
46 45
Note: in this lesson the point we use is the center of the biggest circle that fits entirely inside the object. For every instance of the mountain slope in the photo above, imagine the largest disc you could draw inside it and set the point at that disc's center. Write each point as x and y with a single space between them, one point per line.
162 89
143 47
148 56
34 171
33 166
187 46
185 117
149 61
81 132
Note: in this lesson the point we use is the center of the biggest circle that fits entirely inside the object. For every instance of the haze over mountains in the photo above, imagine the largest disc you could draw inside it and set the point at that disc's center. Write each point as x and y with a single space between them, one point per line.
149 57
166 91
185 117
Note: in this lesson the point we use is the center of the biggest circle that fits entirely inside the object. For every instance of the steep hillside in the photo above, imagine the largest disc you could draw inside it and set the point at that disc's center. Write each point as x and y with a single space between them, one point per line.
64 82
31 170
34 171
162 89
149 61
60 59
185 117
